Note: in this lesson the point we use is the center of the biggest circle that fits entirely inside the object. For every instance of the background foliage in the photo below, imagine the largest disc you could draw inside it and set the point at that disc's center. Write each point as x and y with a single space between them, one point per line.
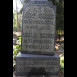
14 22
59 14
62 63
16 50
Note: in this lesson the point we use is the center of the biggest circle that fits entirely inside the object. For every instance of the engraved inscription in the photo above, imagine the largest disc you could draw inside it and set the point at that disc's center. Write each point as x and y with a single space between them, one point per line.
43 44
37 27
49 64
39 11
41 35
38 32
36 47
20 65
37 41
31 21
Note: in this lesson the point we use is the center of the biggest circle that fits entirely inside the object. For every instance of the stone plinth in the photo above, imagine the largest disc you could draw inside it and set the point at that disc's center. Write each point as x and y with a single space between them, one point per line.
37 64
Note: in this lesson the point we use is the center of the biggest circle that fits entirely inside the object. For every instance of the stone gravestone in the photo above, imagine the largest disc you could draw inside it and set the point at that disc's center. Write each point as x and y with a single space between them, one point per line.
38 30
38 40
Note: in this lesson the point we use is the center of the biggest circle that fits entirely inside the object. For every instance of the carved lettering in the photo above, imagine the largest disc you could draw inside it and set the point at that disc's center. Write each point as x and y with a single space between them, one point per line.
37 46
42 35
30 21
38 32
50 64
38 27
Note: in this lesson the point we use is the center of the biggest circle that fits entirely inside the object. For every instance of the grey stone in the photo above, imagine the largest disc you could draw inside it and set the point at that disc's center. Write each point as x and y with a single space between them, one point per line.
42 64
39 0
14 75
37 55
27 1
38 28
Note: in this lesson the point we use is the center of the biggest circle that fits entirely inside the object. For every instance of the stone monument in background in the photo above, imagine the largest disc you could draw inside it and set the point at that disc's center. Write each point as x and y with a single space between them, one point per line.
38 40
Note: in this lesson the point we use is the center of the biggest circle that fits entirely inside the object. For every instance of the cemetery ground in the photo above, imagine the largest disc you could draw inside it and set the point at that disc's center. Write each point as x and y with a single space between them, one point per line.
59 49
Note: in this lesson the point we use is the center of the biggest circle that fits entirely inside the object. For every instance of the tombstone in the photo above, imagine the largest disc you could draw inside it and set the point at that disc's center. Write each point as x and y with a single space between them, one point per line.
38 30
37 56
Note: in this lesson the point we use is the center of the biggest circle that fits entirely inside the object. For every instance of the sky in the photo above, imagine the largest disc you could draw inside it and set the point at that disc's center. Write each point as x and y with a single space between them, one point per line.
19 5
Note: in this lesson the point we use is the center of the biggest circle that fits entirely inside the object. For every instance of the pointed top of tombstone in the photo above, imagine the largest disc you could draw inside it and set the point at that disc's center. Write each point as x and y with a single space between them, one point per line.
39 0
34 0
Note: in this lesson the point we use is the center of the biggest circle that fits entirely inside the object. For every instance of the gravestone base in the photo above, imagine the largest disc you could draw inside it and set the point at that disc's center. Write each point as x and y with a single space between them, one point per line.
38 76
14 75
30 64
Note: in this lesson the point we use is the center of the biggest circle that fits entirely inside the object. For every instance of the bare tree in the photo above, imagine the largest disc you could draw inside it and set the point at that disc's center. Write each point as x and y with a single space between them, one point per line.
17 17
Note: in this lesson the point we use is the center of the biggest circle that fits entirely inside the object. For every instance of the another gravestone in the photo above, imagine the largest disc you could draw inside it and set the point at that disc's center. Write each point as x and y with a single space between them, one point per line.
38 40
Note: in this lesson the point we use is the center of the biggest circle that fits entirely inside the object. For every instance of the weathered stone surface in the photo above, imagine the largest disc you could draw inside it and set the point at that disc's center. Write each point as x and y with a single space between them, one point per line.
38 27
26 63
38 40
